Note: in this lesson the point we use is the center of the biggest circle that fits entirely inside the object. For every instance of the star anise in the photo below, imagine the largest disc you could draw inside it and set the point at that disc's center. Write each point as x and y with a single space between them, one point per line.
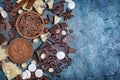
68 14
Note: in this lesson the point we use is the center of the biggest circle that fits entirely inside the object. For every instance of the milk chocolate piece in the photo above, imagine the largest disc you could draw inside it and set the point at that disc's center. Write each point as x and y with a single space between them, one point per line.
67 38
2 38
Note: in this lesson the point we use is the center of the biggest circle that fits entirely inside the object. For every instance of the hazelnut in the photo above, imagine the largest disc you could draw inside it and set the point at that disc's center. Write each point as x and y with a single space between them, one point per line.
57 30
35 40
43 56
51 70
24 65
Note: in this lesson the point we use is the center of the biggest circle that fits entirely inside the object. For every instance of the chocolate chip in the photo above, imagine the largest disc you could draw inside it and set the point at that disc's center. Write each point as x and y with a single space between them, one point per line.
67 38
46 21
45 30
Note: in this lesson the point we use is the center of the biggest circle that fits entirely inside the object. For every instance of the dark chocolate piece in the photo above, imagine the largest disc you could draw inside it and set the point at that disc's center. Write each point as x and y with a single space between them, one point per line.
67 38
63 25
58 8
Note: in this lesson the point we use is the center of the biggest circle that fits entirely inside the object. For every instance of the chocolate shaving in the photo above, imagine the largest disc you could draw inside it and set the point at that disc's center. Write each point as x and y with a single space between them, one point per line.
30 4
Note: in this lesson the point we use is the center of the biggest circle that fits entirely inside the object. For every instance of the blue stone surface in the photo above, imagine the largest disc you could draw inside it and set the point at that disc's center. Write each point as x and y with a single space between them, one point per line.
96 34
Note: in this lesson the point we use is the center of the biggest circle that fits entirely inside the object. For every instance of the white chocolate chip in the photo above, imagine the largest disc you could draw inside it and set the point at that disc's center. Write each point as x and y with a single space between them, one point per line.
1 9
33 62
38 73
64 32
4 14
51 70
35 40
43 56
24 75
60 55
32 67
20 11
71 5
28 74
24 65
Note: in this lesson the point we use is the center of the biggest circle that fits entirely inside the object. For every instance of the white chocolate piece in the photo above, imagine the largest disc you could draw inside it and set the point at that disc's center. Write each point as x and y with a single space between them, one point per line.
3 52
44 36
35 40
28 74
38 73
1 9
20 11
33 62
63 32
10 69
71 5
39 6
4 14
32 67
51 70
43 56
50 3
56 19
24 65
60 55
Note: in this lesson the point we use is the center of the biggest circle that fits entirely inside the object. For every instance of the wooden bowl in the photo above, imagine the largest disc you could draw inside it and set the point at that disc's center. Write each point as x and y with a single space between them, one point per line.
30 25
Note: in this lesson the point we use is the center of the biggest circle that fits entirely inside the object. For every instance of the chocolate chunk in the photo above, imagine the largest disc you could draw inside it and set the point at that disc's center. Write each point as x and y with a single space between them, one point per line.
58 8
11 34
46 30
67 38
50 17
63 25
2 38
72 50
0 65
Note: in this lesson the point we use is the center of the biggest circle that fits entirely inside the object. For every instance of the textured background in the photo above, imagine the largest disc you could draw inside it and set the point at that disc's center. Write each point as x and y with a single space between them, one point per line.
96 34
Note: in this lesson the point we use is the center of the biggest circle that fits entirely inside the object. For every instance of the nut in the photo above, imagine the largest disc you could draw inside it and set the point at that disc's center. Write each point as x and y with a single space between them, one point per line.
43 56
35 40
24 65
20 11
33 62
51 70
57 30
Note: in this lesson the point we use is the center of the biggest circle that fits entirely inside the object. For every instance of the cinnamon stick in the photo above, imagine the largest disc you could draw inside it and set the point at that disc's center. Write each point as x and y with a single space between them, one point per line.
30 4
20 4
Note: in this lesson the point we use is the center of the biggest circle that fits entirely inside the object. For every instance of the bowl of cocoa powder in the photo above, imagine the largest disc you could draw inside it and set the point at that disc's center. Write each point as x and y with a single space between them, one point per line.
30 25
